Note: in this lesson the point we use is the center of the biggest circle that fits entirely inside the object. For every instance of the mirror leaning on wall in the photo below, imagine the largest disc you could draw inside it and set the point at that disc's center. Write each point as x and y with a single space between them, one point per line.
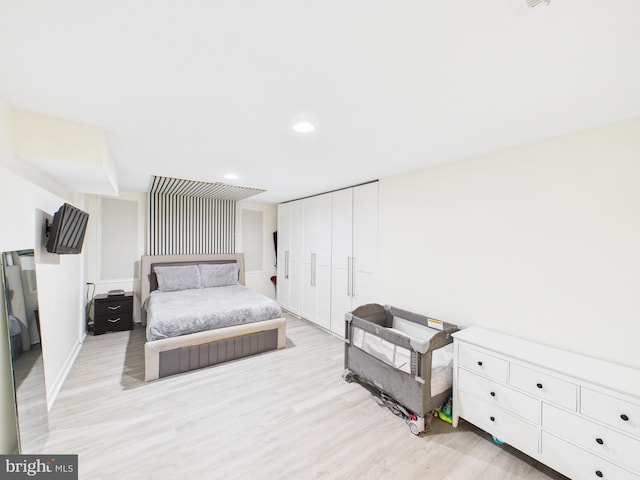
25 348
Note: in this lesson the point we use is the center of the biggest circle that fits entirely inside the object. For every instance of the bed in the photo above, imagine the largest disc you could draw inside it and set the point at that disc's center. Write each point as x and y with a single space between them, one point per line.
197 312
404 356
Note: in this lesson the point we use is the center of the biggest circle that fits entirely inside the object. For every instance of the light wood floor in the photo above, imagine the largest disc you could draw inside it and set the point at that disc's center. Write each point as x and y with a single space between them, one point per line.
280 415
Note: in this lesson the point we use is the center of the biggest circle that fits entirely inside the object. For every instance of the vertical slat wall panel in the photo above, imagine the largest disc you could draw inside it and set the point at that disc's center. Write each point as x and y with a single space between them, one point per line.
190 225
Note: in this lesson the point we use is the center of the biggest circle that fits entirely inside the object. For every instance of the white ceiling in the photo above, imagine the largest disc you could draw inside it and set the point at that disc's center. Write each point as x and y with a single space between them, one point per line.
196 89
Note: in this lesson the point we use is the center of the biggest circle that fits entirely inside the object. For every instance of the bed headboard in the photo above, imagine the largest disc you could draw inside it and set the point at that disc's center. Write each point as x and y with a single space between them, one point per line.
149 283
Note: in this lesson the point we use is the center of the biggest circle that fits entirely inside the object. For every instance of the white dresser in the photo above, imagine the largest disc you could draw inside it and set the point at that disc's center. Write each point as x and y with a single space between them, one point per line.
576 414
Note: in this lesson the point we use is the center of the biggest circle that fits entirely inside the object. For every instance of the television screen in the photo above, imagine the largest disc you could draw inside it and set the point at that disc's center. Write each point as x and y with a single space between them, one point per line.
66 232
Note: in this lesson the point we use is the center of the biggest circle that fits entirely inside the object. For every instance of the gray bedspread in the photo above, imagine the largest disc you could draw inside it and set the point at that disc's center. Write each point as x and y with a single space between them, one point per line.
171 314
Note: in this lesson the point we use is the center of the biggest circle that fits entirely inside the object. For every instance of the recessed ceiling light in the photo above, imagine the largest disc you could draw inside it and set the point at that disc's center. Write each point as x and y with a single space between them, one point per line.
303 127
231 176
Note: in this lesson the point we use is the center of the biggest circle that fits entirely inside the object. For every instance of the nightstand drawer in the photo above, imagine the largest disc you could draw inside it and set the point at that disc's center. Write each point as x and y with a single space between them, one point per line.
546 387
576 463
600 440
113 323
610 410
483 363
498 422
116 306
500 395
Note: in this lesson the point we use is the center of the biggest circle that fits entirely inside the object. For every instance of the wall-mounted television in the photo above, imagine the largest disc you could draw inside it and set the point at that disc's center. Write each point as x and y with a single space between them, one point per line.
66 232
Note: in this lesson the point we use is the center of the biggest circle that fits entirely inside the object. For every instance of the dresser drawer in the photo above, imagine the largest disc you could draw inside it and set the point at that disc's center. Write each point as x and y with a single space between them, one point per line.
498 422
110 307
577 463
483 363
610 410
546 387
500 395
600 440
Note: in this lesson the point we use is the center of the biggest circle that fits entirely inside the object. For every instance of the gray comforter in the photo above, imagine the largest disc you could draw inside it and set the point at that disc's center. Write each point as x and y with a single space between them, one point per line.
170 314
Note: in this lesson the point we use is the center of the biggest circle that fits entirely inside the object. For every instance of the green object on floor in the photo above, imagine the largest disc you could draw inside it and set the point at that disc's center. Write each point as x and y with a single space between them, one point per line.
445 411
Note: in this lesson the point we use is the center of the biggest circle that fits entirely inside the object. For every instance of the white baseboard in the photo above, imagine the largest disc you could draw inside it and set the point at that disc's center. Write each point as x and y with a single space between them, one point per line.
52 393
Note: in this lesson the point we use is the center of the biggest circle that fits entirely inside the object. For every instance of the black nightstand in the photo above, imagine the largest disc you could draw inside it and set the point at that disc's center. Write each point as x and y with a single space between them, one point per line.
112 314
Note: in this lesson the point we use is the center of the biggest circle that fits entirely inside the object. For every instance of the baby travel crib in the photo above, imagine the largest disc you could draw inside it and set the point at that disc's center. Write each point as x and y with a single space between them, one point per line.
403 355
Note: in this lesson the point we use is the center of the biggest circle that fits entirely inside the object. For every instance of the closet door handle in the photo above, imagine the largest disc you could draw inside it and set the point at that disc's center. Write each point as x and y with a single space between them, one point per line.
286 264
314 270
348 276
353 276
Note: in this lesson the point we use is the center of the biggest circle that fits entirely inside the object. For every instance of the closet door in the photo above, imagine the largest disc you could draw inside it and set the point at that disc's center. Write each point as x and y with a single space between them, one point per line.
365 245
296 257
284 250
310 247
341 253
322 267
316 287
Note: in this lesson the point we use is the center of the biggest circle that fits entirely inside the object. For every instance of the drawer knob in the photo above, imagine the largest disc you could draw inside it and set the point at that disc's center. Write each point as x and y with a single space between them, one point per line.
115 307
479 363
599 474
624 417
113 320
599 441
539 385
493 394
493 419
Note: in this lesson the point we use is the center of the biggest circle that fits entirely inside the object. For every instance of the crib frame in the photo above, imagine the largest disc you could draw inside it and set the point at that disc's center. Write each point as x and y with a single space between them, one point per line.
411 391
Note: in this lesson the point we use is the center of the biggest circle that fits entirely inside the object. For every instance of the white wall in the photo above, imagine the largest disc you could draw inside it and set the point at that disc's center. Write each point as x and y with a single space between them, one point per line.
540 241
135 240
73 152
259 280
60 286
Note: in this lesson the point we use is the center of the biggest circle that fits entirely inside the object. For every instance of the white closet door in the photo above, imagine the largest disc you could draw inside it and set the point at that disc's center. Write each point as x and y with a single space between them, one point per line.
316 286
284 246
296 257
322 267
310 247
365 244
328 250
341 253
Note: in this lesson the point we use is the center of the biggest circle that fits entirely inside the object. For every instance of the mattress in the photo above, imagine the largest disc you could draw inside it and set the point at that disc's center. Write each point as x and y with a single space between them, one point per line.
172 314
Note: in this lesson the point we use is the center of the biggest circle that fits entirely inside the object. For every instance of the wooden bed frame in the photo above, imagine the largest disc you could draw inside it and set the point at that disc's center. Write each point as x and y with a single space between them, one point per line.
198 350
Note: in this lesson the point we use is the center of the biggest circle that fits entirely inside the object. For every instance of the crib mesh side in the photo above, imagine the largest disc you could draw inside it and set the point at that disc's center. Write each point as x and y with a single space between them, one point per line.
411 390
